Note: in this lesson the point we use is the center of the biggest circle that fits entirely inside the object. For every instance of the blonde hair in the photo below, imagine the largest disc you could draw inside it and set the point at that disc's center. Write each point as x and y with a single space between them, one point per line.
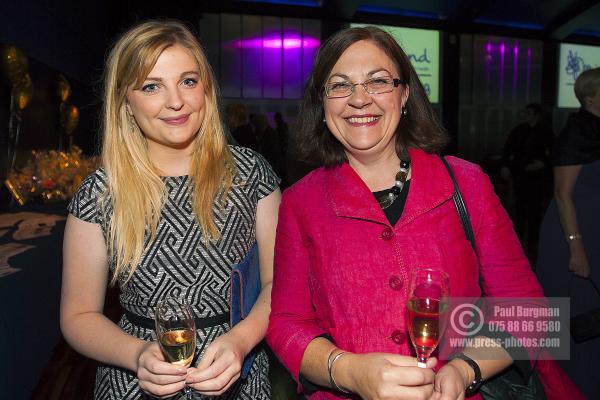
136 192
587 84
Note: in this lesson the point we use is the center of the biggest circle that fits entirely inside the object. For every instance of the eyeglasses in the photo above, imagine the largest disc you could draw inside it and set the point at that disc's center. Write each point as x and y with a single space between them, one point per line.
337 90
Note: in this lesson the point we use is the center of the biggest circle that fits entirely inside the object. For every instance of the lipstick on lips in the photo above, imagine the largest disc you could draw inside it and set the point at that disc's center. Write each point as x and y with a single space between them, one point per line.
176 120
363 120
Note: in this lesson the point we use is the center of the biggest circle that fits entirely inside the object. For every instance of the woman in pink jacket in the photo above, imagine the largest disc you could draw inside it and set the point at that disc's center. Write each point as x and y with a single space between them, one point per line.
351 232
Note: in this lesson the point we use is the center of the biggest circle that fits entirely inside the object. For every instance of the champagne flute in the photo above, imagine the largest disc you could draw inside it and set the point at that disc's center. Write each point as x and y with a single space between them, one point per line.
176 332
427 305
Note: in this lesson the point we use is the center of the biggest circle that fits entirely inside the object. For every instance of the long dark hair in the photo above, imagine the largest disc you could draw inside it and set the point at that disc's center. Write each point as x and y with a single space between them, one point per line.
418 128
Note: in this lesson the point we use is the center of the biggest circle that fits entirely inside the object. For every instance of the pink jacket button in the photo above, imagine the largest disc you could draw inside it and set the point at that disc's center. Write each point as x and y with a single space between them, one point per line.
395 282
387 234
398 337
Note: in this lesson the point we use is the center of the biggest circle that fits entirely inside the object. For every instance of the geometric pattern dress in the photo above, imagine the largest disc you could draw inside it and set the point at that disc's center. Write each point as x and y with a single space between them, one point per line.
180 262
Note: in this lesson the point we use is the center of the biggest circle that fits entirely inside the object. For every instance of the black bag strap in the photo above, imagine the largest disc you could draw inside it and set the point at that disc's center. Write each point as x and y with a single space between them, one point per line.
525 369
460 207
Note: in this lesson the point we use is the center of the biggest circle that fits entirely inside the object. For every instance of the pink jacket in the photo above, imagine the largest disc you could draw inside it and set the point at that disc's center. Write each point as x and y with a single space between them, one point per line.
343 270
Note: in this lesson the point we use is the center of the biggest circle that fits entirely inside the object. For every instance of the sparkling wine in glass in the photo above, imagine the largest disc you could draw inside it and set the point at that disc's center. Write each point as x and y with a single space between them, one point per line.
176 332
427 305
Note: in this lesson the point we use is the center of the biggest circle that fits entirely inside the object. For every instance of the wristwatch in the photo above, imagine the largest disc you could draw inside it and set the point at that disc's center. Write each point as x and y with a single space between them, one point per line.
478 381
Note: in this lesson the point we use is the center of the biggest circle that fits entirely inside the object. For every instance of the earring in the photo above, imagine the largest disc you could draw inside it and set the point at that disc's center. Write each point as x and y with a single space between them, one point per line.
324 120
404 111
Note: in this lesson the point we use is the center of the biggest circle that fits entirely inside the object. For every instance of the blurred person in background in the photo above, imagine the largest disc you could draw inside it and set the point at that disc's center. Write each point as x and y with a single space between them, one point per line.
526 155
268 143
240 128
569 250
283 132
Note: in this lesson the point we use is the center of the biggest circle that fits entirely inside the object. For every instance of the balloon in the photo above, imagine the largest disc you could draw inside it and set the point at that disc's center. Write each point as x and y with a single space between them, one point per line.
13 63
22 92
15 190
69 117
63 88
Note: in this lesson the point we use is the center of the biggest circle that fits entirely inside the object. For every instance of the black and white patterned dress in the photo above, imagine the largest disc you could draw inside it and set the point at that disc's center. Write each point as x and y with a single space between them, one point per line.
180 262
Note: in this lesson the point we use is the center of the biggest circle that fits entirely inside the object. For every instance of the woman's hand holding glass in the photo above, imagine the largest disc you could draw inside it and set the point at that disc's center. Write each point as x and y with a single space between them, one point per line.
385 376
219 367
156 375
162 365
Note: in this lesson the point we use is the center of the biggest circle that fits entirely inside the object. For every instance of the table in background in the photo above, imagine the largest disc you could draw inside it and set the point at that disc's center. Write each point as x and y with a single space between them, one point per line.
29 297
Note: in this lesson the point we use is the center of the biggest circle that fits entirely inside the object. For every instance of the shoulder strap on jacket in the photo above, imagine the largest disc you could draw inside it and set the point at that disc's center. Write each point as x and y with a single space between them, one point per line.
461 209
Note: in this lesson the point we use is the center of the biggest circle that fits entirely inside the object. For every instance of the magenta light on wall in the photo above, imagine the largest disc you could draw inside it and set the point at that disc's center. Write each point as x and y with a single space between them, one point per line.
488 68
502 51
515 70
277 43
279 58
272 49
507 67
292 64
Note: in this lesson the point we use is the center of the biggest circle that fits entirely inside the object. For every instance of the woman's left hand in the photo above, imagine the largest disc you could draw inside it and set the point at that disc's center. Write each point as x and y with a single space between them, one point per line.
450 383
219 368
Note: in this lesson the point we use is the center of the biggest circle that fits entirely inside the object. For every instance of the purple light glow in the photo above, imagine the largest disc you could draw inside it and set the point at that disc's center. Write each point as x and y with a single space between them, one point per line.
528 74
272 59
277 43
488 53
488 68
502 50
292 59
515 70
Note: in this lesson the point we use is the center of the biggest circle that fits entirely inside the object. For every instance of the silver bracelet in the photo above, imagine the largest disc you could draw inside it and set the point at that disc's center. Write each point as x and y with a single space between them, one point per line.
330 361
574 236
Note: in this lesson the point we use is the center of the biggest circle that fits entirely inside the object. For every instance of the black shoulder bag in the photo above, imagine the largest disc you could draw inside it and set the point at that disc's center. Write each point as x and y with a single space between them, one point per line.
585 326
519 381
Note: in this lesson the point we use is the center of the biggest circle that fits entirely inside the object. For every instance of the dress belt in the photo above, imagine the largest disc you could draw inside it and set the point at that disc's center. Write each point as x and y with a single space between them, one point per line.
205 322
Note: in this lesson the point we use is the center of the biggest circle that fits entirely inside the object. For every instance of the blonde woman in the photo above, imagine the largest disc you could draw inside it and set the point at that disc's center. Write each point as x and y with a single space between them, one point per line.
171 210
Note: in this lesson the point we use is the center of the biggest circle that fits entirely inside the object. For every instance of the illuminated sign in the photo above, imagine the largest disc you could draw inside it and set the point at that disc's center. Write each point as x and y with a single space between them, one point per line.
422 47
574 59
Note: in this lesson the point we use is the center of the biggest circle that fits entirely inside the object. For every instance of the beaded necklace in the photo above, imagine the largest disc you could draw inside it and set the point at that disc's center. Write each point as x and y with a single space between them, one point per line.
388 199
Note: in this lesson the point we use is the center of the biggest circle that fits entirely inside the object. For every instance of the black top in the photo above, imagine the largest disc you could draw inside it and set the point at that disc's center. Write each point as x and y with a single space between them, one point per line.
579 141
394 212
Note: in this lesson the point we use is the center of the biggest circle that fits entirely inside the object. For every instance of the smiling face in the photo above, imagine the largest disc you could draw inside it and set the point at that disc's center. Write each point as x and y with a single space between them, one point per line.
365 124
169 106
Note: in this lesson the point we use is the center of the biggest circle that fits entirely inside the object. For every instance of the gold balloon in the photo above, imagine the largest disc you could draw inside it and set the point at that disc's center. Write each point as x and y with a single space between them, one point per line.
63 88
22 92
15 190
69 117
13 63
